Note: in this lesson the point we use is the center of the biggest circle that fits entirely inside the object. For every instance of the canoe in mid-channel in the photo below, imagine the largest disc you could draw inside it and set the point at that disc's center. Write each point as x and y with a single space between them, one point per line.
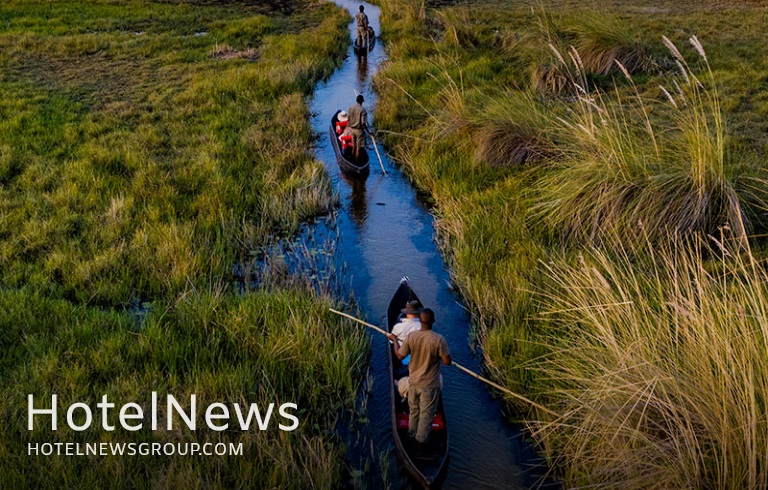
427 466
347 165
365 45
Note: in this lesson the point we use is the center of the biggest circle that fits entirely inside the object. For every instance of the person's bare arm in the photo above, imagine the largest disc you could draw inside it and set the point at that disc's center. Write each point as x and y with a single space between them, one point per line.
396 345
447 359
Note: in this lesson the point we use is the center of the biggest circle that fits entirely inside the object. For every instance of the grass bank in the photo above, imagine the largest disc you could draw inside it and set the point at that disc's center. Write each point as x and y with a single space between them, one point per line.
145 148
568 140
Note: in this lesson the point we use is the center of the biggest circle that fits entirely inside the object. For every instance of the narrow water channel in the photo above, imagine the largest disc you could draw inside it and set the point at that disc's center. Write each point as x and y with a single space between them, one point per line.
385 233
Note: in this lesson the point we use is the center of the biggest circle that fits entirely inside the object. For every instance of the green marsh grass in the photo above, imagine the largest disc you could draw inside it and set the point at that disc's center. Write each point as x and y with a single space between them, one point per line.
658 367
138 164
149 138
601 41
623 173
273 345
619 165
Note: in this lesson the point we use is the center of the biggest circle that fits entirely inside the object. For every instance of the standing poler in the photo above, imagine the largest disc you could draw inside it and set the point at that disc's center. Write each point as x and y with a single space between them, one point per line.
358 125
427 350
362 25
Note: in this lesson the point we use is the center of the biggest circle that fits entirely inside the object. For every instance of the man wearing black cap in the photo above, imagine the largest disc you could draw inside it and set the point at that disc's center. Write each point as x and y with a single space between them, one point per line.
427 350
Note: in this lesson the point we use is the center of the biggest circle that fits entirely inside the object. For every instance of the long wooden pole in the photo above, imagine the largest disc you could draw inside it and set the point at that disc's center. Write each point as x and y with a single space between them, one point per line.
377 153
374 142
460 367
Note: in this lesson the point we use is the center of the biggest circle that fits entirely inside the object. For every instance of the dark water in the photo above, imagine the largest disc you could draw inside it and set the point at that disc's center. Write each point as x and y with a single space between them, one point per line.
385 233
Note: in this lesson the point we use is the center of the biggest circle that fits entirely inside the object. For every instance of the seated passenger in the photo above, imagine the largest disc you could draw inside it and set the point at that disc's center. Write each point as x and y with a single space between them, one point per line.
346 142
403 385
410 323
341 122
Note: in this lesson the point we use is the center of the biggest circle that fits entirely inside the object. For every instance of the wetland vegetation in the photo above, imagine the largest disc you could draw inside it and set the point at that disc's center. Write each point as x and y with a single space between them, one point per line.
146 147
598 172
605 222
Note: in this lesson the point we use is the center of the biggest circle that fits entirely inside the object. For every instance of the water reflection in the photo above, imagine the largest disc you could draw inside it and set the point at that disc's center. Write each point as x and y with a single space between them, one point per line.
362 70
358 201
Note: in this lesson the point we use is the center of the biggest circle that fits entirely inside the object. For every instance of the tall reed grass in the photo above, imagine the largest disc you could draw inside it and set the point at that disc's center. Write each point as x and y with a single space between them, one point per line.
603 42
637 170
659 369
651 346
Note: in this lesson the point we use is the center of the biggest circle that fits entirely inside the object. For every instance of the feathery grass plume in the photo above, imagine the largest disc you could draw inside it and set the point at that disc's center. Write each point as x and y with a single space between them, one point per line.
683 71
603 44
672 49
616 173
659 367
557 54
668 96
699 48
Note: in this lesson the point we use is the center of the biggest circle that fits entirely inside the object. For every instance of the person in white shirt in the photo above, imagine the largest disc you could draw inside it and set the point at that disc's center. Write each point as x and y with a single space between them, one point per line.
408 324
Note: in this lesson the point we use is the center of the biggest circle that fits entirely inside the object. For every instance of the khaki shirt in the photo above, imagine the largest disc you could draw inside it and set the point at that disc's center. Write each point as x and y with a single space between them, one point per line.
426 349
358 117
362 19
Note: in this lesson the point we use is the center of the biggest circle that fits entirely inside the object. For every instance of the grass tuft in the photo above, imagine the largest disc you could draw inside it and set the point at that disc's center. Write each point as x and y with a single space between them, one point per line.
227 52
602 41
647 179
659 369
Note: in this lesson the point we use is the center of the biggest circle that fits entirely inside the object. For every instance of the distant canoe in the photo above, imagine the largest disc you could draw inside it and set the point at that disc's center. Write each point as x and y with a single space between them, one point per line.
353 169
428 467
361 48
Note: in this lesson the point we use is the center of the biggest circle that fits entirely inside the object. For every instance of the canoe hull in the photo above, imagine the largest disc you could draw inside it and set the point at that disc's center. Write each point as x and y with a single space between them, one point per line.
360 49
350 168
428 468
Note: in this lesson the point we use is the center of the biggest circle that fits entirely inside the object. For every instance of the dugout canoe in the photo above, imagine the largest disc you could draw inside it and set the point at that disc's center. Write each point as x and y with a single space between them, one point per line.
360 48
350 168
427 467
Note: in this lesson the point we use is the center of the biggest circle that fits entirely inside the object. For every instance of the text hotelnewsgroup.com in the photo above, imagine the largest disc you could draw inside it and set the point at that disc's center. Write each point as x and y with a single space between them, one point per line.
134 449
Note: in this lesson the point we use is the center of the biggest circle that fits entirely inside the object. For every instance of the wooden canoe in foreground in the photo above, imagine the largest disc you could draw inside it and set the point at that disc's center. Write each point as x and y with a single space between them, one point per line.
428 467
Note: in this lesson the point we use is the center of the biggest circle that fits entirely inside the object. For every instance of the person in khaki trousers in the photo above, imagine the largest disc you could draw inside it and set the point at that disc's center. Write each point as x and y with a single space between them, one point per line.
427 349
358 125
362 26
